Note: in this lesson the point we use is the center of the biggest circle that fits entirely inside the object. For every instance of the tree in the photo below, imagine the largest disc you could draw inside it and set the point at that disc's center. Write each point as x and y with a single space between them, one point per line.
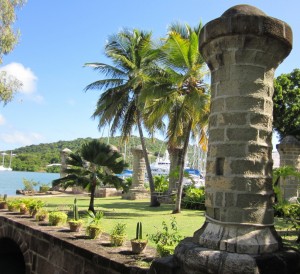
97 163
178 94
286 98
8 39
132 56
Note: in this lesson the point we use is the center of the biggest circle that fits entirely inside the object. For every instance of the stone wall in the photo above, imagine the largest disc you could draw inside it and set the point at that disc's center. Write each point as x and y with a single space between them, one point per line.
48 250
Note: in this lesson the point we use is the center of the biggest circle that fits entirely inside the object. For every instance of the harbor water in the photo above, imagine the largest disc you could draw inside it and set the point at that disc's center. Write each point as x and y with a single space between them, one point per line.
10 181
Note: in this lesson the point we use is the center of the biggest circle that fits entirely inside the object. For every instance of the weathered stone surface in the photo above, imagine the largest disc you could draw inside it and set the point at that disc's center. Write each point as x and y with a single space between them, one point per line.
137 190
57 250
242 48
289 151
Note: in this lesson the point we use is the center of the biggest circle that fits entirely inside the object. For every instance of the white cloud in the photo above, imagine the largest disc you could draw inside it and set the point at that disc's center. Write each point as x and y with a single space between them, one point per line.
25 75
21 138
2 120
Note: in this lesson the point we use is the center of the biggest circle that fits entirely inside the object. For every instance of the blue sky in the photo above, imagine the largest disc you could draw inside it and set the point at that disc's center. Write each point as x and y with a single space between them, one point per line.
59 36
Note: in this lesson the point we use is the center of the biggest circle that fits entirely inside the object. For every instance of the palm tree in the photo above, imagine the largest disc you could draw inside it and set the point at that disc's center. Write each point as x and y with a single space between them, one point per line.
132 56
178 94
97 163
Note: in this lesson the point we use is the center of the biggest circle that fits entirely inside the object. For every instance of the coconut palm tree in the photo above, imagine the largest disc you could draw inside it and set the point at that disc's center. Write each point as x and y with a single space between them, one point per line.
96 164
132 56
178 94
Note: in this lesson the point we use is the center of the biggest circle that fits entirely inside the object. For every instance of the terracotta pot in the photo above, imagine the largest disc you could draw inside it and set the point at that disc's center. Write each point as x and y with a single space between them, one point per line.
117 240
75 226
3 205
138 246
94 232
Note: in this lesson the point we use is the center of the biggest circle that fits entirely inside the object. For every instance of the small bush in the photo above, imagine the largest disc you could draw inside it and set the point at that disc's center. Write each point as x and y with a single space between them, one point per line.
194 198
166 239
161 183
29 185
57 218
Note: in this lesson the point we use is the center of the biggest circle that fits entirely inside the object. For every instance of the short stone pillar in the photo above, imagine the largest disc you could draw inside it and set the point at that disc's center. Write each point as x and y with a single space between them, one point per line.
242 49
289 151
137 189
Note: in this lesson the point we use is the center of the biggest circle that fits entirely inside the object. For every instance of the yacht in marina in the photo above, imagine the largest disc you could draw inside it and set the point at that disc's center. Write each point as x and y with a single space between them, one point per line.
2 167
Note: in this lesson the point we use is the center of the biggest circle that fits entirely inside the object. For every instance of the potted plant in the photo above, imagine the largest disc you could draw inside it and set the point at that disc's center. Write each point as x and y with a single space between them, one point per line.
118 235
34 206
138 244
42 215
24 206
75 223
57 218
3 202
13 205
94 228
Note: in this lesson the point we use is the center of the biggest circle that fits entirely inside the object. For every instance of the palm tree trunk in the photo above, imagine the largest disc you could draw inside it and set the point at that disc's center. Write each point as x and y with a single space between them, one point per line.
177 208
153 201
93 189
175 158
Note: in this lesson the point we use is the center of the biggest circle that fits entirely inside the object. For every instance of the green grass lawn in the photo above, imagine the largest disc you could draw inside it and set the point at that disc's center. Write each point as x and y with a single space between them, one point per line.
132 211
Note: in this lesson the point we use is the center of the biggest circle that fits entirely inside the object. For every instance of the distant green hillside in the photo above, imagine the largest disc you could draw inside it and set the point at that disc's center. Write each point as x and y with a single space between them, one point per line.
37 157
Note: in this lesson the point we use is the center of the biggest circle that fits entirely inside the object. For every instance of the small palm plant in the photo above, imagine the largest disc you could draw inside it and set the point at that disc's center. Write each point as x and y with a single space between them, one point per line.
94 228
97 163
118 234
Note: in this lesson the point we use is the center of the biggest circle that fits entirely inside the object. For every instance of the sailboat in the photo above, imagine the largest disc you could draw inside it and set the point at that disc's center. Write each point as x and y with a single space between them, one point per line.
2 167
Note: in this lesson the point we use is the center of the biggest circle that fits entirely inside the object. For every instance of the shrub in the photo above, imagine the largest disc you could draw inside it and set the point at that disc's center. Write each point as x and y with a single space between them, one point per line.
166 239
194 198
161 183
57 218
29 185
291 212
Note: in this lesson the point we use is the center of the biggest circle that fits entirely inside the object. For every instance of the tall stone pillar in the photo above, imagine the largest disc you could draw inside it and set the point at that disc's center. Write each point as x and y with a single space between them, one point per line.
289 151
63 157
242 48
137 189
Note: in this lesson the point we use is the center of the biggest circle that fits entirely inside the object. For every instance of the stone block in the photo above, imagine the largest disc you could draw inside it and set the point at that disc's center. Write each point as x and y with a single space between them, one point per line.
261 120
241 134
247 167
229 199
261 152
258 215
218 104
218 199
232 119
217 135
253 185
253 200
247 73
232 215
245 103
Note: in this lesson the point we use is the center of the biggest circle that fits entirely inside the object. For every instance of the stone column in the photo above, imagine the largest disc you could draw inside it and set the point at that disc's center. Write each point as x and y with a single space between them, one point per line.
289 151
63 157
242 48
137 189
